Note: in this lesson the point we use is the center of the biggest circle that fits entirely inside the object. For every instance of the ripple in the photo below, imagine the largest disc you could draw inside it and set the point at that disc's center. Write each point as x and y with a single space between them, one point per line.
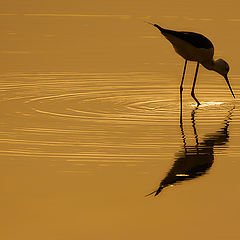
131 97
97 118
86 99
75 15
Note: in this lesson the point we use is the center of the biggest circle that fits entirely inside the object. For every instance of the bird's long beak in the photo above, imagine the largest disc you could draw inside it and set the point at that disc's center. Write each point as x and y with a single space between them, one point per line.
228 83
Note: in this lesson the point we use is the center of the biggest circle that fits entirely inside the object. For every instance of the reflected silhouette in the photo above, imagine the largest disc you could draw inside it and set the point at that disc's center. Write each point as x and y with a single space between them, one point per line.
194 161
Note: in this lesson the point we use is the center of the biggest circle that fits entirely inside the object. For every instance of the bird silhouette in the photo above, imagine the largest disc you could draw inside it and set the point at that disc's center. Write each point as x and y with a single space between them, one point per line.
195 47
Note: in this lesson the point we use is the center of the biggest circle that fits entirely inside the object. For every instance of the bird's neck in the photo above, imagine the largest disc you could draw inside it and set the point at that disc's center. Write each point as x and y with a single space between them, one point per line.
210 65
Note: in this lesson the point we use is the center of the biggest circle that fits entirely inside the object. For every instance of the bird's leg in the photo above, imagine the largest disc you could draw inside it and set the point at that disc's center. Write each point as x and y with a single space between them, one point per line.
181 90
193 86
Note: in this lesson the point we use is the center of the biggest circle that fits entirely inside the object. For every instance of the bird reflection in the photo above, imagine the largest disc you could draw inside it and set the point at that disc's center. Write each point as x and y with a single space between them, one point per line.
196 160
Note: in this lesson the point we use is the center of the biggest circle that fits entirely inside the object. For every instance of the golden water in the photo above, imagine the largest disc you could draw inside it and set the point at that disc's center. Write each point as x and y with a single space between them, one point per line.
90 124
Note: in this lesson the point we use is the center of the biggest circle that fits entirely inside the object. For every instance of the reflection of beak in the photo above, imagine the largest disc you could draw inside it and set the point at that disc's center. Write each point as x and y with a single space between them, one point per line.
228 83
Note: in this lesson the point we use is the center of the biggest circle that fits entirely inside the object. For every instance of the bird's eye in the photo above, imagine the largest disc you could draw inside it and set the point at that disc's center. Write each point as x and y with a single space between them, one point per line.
227 68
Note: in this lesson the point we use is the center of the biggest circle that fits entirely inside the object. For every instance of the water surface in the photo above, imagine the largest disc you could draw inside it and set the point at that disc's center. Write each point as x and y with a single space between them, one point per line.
90 125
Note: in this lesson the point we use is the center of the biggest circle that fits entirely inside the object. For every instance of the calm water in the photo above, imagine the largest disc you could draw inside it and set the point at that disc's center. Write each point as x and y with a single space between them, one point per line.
90 125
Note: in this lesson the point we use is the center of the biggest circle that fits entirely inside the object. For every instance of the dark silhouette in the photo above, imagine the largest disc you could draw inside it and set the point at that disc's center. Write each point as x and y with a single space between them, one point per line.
195 160
194 47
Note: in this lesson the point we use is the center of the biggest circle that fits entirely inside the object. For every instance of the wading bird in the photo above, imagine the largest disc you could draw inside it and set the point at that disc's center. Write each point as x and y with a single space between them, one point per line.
195 47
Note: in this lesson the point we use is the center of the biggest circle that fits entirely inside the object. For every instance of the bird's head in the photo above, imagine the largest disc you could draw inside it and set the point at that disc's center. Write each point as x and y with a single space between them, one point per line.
222 67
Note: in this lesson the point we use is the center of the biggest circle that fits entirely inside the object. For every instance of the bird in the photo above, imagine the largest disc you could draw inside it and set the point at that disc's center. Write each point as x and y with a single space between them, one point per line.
198 48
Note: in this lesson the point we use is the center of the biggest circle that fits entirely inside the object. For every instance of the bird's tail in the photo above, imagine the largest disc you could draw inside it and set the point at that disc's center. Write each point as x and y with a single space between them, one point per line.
155 25
149 23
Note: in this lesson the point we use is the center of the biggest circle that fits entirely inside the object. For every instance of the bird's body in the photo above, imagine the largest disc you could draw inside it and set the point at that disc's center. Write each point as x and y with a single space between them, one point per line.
195 47
191 46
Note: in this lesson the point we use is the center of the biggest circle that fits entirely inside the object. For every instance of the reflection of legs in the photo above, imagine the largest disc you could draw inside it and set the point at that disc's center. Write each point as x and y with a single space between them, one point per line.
194 130
181 90
194 82
194 126
183 137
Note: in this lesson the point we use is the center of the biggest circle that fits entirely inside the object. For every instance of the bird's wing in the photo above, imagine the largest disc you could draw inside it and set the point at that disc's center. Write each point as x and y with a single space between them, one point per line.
196 39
